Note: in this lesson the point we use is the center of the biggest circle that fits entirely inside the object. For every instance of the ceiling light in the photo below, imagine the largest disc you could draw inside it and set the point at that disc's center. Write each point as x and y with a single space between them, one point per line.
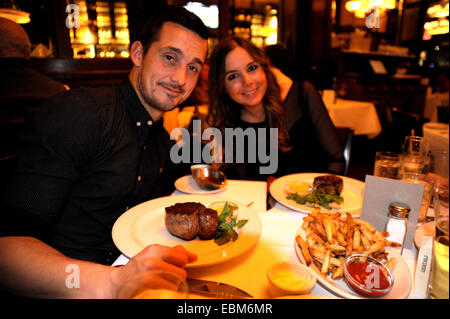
15 15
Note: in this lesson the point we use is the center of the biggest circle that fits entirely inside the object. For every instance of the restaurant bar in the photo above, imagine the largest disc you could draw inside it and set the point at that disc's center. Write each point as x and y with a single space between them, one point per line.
224 149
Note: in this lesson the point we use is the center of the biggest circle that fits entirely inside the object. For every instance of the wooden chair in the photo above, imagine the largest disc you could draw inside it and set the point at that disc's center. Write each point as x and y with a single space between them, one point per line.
346 137
7 165
443 114
397 124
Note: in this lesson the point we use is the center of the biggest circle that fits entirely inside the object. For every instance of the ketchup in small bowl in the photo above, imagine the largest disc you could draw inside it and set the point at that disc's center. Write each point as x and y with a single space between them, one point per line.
367 276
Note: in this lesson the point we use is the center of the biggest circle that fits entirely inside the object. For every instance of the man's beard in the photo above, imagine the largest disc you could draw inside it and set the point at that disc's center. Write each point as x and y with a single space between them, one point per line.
152 100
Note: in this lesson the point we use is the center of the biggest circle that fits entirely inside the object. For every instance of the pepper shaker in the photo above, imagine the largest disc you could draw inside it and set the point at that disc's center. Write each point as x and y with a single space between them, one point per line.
396 225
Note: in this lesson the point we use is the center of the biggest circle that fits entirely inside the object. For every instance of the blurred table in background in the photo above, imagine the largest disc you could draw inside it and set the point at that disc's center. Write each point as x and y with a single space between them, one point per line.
433 102
360 115
437 135
177 118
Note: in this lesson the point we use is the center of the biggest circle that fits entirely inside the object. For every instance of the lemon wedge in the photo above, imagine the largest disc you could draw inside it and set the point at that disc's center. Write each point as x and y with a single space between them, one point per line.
300 188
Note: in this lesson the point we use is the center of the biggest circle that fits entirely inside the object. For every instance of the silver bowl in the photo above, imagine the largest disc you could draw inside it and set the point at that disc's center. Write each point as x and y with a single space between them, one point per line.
208 177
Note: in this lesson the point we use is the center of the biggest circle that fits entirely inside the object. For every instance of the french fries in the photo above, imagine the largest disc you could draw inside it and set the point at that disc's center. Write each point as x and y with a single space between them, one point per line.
331 237
304 246
326 262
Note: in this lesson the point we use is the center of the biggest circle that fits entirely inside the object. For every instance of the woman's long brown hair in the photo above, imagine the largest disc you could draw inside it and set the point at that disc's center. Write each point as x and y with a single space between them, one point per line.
223 111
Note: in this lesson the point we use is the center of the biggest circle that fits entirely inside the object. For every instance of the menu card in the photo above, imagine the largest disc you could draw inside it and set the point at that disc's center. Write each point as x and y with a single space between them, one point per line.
379 192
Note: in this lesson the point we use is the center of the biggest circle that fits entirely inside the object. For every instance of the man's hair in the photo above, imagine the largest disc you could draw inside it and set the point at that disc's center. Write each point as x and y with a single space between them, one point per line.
178 15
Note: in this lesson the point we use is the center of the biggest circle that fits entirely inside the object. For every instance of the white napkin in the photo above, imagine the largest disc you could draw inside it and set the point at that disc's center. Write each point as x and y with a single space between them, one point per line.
423 267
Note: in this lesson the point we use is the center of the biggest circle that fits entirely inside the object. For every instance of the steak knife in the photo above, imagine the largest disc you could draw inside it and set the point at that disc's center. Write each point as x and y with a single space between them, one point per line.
270 201
216 289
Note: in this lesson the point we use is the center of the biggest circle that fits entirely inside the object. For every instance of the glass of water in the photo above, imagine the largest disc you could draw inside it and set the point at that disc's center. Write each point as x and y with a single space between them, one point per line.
387 164
414 155
429 188
439 271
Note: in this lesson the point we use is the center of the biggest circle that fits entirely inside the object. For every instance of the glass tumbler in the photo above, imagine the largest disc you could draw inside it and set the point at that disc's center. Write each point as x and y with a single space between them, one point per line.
439 282
429 187
414 155
387 164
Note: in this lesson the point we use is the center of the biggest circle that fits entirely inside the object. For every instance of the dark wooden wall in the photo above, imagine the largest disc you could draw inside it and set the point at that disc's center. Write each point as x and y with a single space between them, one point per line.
49 25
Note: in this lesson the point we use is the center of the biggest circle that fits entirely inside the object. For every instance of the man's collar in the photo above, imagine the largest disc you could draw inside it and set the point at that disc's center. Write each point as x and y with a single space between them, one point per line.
138 112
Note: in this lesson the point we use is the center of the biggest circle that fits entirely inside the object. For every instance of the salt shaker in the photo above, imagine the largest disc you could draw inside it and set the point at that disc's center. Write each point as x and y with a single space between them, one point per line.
396 225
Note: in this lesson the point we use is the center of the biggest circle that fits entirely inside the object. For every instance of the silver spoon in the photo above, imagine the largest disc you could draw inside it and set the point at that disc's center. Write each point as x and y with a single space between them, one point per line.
208 177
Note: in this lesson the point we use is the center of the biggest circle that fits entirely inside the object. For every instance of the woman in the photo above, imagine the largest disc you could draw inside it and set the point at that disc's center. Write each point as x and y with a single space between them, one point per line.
245 92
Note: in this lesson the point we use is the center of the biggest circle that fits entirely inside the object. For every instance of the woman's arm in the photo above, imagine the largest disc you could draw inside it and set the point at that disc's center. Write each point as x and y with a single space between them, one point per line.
325 128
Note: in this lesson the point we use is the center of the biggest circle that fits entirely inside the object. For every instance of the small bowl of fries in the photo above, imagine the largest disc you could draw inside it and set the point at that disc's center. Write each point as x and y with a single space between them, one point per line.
367 276
286 279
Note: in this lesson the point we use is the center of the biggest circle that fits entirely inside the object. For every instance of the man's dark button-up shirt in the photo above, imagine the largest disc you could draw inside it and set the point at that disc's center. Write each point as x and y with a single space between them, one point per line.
85 157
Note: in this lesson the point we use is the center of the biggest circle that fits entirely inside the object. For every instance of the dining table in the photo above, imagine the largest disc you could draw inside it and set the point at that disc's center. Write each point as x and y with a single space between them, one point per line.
362 116
280 224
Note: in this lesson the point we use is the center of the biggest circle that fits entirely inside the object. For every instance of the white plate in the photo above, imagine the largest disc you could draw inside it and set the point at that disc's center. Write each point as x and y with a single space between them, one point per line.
426 229
353 193
401 273
144 224
186 184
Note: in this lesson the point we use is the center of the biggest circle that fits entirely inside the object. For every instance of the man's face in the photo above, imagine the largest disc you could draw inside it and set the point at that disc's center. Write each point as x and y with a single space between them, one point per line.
170 68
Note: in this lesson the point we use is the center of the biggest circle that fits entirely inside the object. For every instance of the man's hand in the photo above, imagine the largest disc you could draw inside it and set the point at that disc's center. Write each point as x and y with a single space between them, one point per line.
153 257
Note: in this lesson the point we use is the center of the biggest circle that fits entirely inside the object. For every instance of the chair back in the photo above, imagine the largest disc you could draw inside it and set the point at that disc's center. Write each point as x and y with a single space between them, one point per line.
7 166
443 114
12 116
397 124
346 137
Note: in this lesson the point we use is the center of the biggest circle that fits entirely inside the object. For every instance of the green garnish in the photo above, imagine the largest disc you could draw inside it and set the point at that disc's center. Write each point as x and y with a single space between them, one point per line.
318 196
227 223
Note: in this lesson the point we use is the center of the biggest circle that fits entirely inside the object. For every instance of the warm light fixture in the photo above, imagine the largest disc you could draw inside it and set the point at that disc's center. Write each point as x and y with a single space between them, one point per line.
438 10
440 25
15 15
436 27
10 10
361 7
209 15
353 5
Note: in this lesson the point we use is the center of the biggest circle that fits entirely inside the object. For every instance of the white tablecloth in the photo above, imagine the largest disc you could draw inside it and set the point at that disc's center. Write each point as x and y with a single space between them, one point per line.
360 115
279 226
432 102
437 135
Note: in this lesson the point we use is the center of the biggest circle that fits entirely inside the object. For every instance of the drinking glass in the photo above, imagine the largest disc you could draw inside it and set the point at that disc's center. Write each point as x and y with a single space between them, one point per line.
414 155
154 284
439 162
387 164
429 183
439 271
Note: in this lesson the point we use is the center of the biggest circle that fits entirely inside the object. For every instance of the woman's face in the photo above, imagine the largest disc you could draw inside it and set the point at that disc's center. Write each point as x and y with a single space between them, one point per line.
245 80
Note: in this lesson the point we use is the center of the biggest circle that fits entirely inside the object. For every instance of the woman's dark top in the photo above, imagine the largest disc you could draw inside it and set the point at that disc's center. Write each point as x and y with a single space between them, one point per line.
313 137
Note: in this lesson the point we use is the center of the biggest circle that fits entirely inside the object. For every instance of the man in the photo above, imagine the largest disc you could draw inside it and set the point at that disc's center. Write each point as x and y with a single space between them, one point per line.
20 86
18 78
87 156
